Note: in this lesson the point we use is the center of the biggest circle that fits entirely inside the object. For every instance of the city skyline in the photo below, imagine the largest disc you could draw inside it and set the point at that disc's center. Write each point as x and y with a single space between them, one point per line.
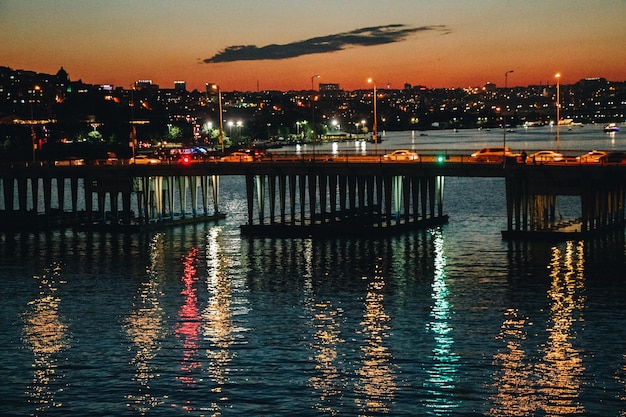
248 46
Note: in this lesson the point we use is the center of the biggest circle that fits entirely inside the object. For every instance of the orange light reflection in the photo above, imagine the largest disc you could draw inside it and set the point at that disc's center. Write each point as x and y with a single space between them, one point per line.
561 369
515 394
376 387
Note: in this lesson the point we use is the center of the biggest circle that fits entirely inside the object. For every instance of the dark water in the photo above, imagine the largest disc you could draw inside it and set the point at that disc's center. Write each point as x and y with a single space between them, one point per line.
199 321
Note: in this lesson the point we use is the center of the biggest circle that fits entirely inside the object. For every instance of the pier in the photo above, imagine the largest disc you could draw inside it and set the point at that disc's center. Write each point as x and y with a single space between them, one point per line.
309 195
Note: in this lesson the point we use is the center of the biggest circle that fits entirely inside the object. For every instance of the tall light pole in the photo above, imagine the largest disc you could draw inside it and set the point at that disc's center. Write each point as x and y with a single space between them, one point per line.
375 124
239 124
313 109
558 111
506 79
33 135
219 104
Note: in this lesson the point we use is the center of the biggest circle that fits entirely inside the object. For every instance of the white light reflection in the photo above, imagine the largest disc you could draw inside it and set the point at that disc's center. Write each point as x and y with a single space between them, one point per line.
442 375
561 369
324 319
145 329
217 321
46 335
376 385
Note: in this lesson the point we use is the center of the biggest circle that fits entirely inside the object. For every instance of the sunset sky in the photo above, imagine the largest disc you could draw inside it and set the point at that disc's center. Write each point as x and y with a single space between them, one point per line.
249 45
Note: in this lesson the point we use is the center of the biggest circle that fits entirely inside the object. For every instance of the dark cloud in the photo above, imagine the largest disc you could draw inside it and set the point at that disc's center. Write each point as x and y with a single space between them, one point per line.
359 37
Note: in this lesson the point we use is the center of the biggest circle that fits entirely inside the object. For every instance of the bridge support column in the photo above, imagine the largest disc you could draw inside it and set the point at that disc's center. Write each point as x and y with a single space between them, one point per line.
22 198
331 202
532 199
8 185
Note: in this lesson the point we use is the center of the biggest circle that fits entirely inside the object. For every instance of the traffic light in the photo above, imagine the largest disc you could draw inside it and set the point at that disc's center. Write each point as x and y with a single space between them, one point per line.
441 159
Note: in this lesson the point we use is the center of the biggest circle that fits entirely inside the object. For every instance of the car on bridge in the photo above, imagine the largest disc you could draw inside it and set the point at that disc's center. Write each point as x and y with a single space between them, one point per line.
401 155
143 160
592 157
237 157
544 156
69 162
495 154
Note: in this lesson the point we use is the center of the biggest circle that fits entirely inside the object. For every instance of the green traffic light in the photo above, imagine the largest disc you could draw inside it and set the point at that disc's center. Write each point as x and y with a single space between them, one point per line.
440 159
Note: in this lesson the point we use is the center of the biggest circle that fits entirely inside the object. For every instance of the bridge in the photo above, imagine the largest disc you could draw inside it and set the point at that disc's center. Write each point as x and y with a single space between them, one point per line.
309 194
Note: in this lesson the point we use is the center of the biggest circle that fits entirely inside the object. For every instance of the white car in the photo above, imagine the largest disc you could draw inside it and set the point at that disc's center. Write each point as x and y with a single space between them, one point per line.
544 156
495 154
144 160
237 157
401 155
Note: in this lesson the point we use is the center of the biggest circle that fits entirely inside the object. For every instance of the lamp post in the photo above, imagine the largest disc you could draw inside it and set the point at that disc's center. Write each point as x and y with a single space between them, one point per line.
33 136
375 124
219 104
313 110
506 79
558 111
239 124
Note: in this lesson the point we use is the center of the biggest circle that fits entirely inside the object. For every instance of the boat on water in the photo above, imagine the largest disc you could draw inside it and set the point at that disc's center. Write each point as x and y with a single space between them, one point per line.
611 127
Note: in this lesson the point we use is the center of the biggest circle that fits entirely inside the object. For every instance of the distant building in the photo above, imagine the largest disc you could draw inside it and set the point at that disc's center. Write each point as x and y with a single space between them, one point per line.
490 87
180 86
329 87
145 84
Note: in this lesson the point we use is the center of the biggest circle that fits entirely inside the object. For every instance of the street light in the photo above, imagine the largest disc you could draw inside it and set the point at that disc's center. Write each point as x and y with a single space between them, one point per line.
506 79
33 135
374 125
313 109
558 111
239 124
219 103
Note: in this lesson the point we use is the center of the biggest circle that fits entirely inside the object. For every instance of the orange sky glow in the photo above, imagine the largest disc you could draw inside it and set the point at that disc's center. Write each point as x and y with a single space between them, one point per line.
436 44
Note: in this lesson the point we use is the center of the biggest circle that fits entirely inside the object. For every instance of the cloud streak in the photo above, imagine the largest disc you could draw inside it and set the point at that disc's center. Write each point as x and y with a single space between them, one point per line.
370 36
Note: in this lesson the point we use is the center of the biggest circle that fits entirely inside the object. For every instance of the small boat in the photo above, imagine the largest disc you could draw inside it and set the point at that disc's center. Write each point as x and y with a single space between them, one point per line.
611 127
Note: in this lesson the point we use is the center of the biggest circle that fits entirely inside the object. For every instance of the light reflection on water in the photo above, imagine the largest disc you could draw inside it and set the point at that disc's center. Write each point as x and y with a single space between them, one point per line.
515 395
199 321
442 374
46 335
145 327
550 380
376 385
218 327
188 327
561 367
